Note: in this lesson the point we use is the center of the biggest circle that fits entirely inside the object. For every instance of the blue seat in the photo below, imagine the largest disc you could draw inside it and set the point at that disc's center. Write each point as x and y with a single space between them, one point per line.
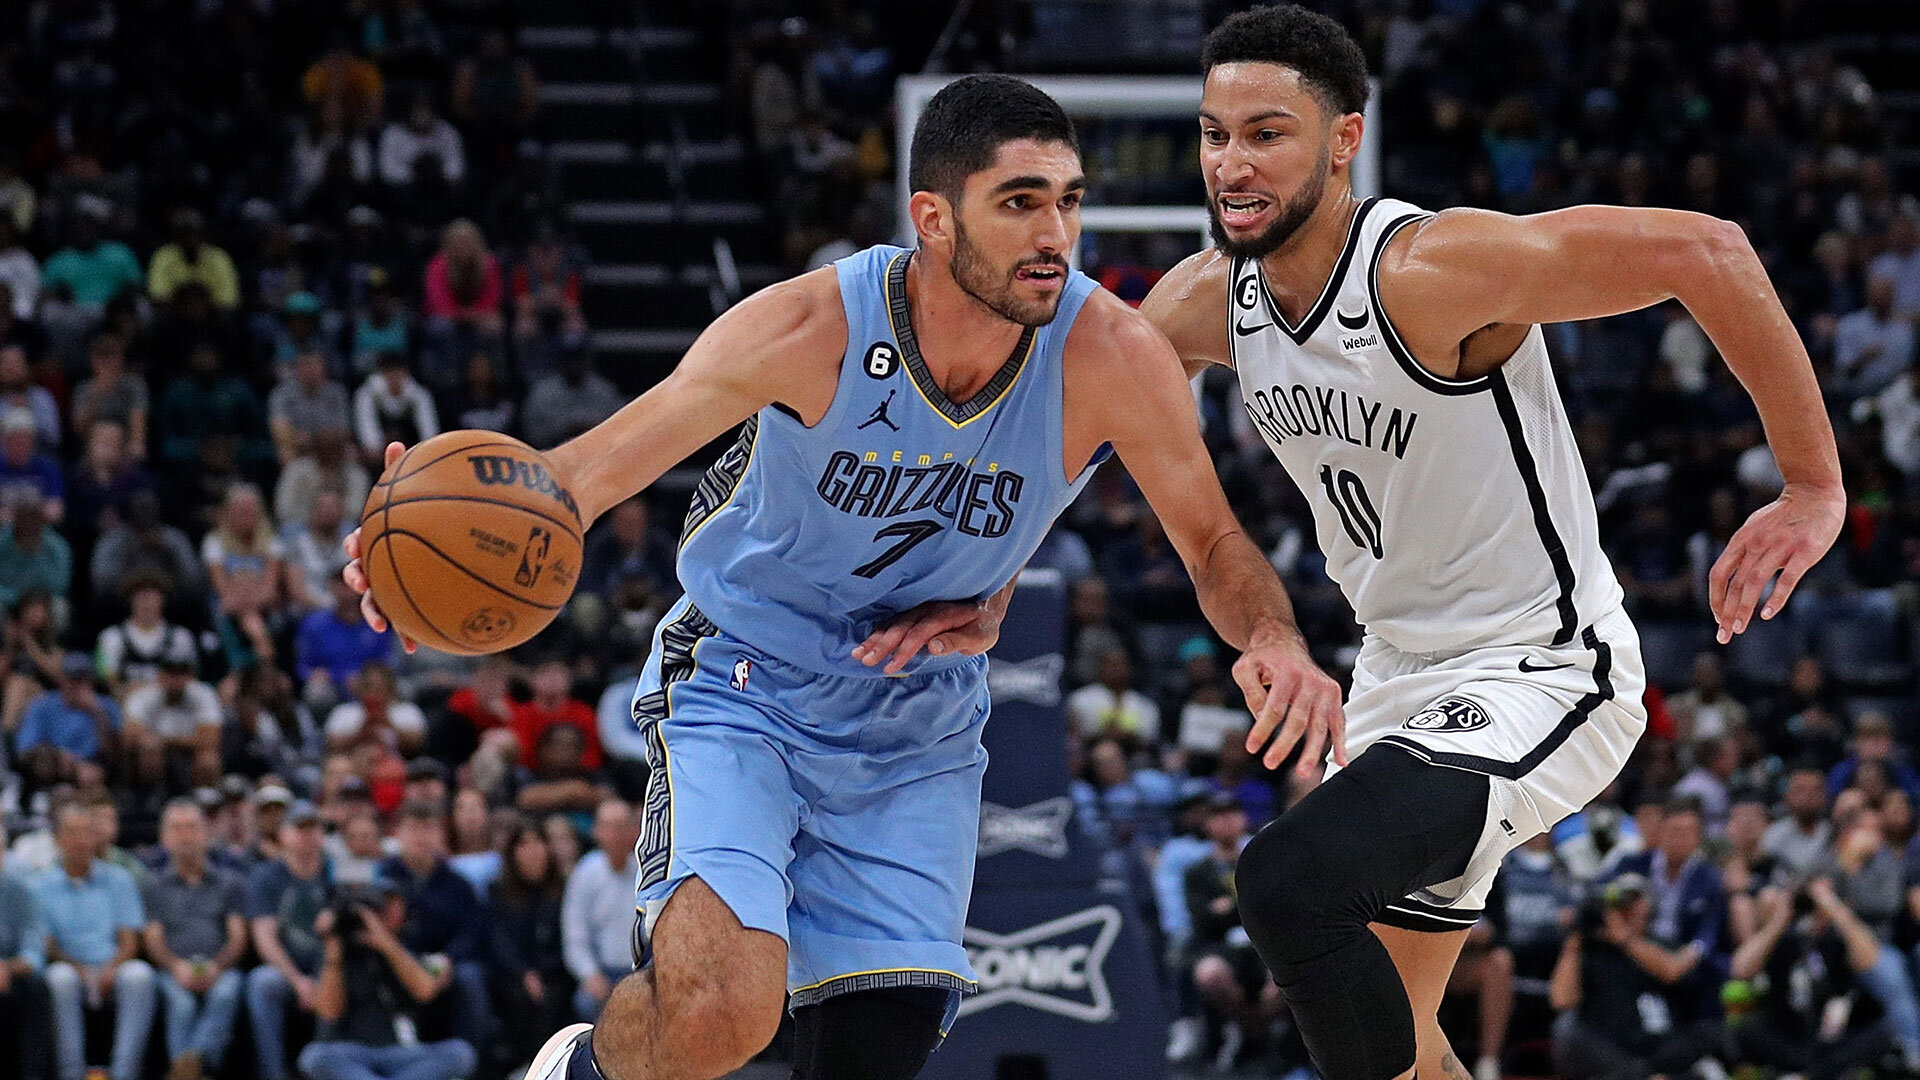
1669 649
1862 644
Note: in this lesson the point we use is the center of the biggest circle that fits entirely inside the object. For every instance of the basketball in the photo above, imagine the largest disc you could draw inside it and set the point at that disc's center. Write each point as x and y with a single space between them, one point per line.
469 543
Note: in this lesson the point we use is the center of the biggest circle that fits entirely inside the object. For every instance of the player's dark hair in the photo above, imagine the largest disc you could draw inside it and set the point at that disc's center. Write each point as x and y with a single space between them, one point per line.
961 129
1329 61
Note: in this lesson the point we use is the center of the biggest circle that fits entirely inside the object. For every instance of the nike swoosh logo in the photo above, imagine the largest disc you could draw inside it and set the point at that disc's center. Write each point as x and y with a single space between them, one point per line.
1549 667
1351 322
1243 329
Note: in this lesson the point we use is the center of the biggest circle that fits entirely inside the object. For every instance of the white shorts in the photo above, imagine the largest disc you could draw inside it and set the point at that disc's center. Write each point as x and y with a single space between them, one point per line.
1550 726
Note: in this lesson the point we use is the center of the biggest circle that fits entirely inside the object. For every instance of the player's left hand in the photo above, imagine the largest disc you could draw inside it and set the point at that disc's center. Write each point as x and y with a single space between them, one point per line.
1286 691
938 626
1785 537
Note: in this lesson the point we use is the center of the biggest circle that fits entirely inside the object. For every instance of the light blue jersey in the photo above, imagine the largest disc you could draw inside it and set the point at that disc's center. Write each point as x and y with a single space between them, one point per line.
820 802
800 540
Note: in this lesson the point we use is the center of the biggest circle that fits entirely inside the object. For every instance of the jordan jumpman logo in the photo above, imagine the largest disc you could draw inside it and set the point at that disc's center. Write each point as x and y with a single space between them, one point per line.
880 414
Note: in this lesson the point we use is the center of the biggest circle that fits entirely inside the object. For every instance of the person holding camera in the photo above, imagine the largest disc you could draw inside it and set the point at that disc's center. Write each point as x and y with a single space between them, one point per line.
370 993
1611 983
1804 964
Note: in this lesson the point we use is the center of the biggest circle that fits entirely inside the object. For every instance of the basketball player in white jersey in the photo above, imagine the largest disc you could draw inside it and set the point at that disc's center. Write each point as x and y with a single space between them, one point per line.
1393 361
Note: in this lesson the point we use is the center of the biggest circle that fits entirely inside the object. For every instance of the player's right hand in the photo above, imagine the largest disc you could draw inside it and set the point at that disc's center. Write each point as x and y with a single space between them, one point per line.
1289 694
356 575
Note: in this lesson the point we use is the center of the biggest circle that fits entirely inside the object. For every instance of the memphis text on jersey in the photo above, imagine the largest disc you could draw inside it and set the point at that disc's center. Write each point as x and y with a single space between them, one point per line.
1286 413
884 484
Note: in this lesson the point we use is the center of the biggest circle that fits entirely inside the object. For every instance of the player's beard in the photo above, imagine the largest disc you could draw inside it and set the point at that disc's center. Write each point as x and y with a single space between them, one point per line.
995 290
1294 213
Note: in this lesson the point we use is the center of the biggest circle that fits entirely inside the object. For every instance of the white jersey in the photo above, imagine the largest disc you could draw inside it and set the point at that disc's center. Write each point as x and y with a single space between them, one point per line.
1454 513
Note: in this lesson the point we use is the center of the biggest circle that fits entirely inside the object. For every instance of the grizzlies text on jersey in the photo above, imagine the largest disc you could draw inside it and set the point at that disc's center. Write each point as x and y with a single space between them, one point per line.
801 539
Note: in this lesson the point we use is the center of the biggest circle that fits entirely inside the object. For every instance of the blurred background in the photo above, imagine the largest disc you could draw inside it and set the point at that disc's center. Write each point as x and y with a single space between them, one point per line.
244 243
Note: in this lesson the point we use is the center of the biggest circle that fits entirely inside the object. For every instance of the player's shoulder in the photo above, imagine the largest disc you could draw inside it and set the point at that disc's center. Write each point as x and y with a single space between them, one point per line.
1110 331
799 318
1189 305
1439 240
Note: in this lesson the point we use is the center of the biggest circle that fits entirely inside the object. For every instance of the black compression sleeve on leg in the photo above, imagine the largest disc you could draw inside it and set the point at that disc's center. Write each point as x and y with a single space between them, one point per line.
1311 882
868 1035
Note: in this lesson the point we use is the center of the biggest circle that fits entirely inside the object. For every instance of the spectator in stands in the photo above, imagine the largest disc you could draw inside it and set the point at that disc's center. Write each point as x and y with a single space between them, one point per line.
196 935
1092 632
1709 781
94 918
329 163
19 391
473 848
1897 411
546 298
596 912
1808 951
210 419
462 301
495 95
1871 347
24 1016
377 716
285 898
141 546
1613 977
391 406
423 140
1111 803
1533 902
1226 969
1689 902
482 402
567 402
443 915
1867 876
1705 710
19 271
328 464
189 257
1873 742
1112 707
345 81
332 647
112 393
269 731
525 954
560 780
247 567
553 703
372 990
383 325
91 270
24 470
301 407
127 654
102 484
66 728
183 716
629 549
355 853
312 540
1745 867
33 557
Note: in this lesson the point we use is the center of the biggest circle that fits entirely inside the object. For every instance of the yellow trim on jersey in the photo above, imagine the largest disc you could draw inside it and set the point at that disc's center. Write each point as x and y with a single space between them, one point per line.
881 971
886 291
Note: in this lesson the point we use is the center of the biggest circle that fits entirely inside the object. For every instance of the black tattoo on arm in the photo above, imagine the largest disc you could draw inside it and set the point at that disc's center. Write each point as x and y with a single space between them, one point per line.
1451 1069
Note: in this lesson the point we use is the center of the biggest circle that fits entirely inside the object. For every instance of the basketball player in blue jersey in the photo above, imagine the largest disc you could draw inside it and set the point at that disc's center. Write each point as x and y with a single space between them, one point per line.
914 420
1393 361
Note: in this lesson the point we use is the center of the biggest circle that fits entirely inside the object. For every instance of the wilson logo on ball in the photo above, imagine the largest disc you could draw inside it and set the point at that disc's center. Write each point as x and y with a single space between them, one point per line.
494 469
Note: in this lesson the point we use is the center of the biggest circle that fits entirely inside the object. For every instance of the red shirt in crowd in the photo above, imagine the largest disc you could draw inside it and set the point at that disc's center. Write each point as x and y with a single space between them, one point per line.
530 721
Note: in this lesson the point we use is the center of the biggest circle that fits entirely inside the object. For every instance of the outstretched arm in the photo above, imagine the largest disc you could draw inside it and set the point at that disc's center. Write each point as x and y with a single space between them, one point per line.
1464 271
783 344
1133 393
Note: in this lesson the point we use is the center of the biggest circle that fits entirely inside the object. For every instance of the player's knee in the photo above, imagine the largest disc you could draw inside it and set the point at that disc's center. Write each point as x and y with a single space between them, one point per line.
869 1035
1285 894
727 1024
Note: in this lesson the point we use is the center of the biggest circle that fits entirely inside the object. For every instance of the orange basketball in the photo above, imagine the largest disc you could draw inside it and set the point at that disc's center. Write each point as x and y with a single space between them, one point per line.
470 544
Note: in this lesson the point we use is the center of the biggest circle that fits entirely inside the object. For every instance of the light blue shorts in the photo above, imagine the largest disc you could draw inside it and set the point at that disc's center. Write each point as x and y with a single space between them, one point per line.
838 812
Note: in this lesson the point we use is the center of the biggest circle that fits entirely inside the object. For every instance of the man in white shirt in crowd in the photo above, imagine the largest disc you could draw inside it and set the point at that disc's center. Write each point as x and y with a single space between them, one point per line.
182 714
392 406
1872 346
1112 706
378 714
597 912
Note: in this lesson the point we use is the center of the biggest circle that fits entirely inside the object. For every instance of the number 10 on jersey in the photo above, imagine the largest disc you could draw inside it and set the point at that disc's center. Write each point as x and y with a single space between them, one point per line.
1357 515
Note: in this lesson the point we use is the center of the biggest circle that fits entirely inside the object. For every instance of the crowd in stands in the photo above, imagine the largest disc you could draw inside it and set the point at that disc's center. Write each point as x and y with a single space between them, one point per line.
242 248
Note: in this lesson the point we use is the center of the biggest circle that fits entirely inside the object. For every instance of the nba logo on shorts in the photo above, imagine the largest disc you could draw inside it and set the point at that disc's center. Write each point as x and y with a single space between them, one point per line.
1450 714
741 669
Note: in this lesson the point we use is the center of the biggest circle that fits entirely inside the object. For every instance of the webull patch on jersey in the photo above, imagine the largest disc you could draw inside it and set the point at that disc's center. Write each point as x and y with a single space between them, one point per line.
1058 966
1449 714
